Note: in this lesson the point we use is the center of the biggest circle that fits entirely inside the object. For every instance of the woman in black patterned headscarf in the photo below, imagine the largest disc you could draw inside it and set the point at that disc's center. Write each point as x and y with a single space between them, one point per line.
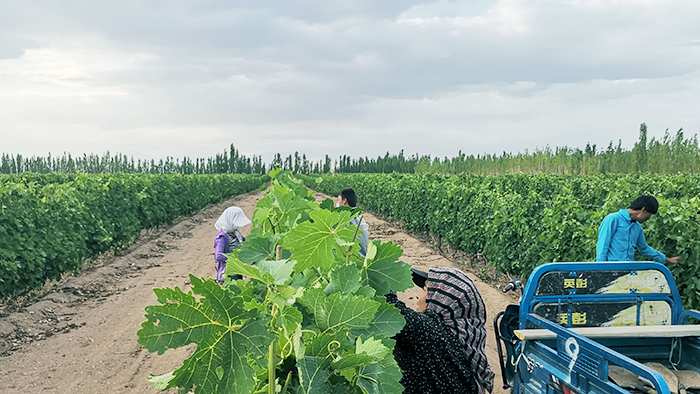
442 347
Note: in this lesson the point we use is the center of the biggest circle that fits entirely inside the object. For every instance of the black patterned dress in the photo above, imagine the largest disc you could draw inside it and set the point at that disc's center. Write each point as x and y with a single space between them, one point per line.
442 350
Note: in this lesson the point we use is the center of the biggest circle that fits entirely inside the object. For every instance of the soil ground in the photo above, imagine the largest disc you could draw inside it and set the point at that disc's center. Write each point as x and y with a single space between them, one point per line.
79 335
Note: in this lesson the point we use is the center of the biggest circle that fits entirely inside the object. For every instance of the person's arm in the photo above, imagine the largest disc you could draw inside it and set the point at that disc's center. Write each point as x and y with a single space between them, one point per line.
673 260
363 237
605 233
220 248
647 250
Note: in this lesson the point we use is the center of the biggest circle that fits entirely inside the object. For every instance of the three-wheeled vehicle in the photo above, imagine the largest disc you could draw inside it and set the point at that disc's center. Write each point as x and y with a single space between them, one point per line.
600 327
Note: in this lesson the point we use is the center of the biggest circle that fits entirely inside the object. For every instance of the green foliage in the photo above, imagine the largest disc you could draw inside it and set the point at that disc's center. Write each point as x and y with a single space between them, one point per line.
314 305
315 242
521 221
50 223
226 332
676 229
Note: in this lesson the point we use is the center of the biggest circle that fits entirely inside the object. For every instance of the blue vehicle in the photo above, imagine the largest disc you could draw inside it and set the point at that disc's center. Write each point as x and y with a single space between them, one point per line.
611 327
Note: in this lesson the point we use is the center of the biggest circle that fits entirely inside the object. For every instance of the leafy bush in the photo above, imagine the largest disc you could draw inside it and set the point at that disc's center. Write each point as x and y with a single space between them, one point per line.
50 223
521 221
311 318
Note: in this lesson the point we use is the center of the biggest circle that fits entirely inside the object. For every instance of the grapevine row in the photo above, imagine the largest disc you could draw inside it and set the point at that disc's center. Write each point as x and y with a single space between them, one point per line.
521 221
50 223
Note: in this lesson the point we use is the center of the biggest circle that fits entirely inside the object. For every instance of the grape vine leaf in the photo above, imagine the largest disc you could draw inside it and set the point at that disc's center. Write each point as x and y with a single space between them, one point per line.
228 336
259 247
330 205
384 272
234 266
382 374
280 270
312 243
161 382
269 272
338 310
352 360
291 319
390 378
388 321
371 347
345 279
290 208
313 374
320 345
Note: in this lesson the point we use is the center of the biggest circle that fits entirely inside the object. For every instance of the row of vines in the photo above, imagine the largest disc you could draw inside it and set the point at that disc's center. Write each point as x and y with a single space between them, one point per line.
49 224
521 221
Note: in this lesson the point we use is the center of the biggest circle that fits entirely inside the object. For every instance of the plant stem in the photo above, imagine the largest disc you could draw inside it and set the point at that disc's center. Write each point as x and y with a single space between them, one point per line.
286 383
272 385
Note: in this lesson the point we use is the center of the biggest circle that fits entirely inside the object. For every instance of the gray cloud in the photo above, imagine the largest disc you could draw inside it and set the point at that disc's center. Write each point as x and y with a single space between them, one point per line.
358 78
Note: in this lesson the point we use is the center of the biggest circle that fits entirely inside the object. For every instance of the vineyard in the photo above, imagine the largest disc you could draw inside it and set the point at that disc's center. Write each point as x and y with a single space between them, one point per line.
51 223
312 318
521 221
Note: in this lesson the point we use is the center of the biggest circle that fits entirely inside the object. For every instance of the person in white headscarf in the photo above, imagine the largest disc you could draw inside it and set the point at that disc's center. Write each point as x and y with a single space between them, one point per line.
228 238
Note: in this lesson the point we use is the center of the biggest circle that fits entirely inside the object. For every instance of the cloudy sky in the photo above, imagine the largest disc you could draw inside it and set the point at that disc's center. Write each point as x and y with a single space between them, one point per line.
359 77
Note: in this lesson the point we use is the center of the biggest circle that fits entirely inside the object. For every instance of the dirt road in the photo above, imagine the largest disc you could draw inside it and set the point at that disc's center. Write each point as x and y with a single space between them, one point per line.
80 337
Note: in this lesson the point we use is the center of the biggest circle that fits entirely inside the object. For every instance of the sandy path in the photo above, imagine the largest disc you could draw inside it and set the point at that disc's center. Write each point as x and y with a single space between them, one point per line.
81 336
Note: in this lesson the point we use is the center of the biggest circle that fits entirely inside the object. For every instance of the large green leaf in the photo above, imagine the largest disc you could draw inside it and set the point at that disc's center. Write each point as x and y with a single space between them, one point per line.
368 378
371 347
390 377
269 272
291 319
330 205
322 344
345 279
384 272
227 336
388 321
313 375
312 243
234 266
338 310
289 208
380 378
314 299
280 270
260 247
352 360
347 311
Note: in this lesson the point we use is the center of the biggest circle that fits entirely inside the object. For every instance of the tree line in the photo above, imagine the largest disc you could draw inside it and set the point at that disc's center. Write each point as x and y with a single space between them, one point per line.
228 162
671 154
668 155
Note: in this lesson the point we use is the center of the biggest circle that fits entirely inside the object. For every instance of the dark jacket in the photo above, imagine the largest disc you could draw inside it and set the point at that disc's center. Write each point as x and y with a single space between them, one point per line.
430 355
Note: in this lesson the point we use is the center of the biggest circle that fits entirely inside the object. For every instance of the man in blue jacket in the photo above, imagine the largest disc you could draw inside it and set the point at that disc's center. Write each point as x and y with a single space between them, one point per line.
621 232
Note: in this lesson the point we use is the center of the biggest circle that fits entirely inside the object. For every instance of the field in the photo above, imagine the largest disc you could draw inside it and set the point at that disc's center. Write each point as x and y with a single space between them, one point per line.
80 336
88 322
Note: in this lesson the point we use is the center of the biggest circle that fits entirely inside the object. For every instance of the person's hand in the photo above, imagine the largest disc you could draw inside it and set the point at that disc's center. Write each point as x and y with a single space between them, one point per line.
673 260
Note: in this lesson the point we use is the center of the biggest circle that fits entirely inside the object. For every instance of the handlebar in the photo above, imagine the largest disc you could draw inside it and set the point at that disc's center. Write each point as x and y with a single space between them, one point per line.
512 285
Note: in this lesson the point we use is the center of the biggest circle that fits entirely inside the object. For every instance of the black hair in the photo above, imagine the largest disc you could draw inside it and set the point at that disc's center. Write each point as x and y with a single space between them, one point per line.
349 194
647 202
420 278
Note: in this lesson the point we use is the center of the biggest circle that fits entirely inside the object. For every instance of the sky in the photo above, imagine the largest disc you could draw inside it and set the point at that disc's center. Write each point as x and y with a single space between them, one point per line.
152 79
